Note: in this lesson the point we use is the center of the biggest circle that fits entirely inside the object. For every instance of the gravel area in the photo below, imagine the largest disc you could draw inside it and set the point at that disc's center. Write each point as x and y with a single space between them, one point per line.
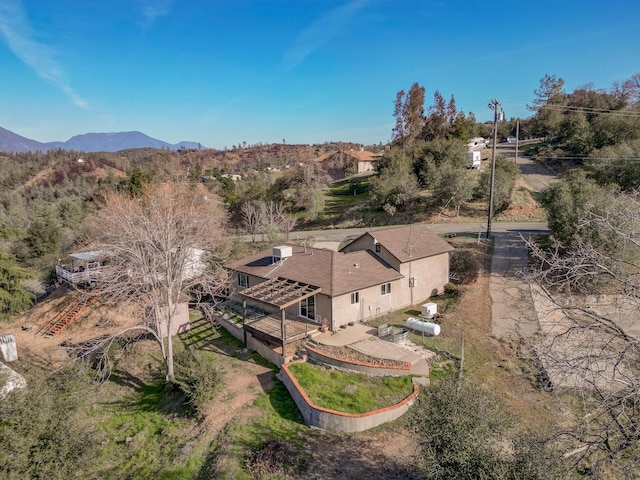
348 353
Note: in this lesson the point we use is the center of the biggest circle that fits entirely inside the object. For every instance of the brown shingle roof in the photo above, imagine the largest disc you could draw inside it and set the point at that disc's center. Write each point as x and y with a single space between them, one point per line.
360 269
410 242
335 273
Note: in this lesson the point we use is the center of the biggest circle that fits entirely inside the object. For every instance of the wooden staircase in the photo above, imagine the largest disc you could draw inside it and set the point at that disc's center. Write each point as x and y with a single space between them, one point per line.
65 317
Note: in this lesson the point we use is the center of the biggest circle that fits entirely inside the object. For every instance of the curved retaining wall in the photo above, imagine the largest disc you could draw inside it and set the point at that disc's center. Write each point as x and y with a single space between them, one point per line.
343 422
355 366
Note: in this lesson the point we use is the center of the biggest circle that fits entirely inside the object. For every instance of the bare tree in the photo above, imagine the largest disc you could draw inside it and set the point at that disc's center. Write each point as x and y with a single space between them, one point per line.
275 219
590 292
288 223
251 219
160 246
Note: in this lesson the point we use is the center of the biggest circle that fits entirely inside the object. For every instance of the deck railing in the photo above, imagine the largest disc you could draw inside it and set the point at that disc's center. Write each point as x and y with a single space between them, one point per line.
85 276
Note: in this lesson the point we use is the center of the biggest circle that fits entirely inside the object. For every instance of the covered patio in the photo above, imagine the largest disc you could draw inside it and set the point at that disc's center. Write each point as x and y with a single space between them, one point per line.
278 294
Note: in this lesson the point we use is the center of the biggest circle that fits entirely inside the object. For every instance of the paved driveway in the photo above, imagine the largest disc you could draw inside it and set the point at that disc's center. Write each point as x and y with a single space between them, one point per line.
512 309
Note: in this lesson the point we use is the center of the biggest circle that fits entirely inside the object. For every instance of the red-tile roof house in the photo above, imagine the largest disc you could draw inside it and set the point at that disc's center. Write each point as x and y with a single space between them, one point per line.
344 162
378 272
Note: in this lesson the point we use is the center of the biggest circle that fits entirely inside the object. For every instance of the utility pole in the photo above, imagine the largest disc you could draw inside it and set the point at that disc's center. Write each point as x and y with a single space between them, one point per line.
517 139
495 105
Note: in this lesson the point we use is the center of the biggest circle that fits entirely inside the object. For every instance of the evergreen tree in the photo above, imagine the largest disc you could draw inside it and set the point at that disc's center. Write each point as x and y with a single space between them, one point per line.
13 297
409 113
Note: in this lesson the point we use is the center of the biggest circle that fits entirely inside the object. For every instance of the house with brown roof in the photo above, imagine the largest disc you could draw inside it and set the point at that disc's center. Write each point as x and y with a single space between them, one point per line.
347 162
305 287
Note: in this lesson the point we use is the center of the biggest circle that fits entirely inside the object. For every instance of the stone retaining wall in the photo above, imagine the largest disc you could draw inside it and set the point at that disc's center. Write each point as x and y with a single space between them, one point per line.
344 422
355 366
264 350
232 327
254 344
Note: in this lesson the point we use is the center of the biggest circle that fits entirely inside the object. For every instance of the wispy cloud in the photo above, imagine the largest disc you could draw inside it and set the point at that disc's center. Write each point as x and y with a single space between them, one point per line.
321 31
20 37
153 9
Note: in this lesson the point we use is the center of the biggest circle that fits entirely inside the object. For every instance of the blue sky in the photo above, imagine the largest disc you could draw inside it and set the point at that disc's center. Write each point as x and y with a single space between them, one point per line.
308 71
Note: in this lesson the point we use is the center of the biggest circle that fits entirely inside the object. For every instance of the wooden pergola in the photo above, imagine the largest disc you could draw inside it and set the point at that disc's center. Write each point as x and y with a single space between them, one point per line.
278 293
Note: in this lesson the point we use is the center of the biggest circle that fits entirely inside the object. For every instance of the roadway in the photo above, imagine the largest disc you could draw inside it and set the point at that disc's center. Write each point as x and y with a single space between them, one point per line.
536 176
344 234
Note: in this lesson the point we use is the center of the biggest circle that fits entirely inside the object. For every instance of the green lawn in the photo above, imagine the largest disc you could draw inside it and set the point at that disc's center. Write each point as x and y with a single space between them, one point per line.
350 392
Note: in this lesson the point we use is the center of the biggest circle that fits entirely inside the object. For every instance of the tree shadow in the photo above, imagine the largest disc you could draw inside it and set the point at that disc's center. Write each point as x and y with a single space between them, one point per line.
266 381
125 379
202 335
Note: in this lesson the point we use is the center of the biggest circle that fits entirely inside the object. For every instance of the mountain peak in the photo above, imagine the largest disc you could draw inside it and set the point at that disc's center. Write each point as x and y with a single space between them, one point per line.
89 142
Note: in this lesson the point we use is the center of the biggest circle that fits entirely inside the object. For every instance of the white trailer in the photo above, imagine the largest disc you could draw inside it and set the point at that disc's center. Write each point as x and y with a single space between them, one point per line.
474 159
477 143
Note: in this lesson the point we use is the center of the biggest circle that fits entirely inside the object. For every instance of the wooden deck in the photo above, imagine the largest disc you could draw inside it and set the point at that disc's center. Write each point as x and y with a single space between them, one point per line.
269 328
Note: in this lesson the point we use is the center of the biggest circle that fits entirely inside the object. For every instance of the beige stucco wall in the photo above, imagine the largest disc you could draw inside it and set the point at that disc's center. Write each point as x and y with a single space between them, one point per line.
372 304
365 167
431 274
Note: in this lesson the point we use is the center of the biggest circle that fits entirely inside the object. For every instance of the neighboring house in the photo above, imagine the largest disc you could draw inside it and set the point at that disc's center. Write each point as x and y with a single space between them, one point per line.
84 268
347 162
378 272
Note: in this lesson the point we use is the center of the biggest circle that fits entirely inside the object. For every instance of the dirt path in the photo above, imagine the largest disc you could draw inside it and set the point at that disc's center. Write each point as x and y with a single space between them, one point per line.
386 455
243 383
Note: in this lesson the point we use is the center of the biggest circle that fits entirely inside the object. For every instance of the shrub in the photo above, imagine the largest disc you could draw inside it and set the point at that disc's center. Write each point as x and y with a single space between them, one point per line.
465 264
269 460
196 377
451 290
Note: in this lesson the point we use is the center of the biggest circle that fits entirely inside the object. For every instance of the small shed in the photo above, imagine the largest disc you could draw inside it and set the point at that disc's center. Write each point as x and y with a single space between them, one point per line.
180 322
8 347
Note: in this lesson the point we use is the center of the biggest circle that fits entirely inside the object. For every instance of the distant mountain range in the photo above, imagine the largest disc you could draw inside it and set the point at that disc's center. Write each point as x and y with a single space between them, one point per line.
89 142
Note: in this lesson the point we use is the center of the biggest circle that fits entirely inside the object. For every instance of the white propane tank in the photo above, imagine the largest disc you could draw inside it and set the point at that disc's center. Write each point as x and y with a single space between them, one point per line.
422 326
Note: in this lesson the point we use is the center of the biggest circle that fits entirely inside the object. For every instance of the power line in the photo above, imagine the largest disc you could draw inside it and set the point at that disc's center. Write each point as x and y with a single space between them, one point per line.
598 111
586 157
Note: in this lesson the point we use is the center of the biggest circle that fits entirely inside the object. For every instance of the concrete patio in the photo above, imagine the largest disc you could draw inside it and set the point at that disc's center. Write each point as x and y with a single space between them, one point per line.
364 339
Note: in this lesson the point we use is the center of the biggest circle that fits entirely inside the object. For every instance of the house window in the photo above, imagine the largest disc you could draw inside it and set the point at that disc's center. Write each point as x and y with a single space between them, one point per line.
385 289
355 298
377 247
308 307
243 280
